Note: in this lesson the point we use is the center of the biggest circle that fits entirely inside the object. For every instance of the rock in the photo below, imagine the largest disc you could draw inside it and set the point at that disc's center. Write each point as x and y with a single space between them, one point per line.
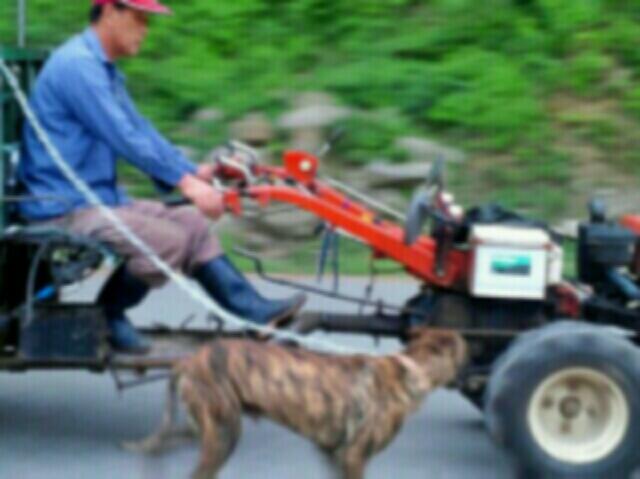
618 201
274 232
312 113
382 173
262 154
568 228
207 115
250 236
282 223
313 98
254 129
421 149
199 122
393 200
351 176
312 116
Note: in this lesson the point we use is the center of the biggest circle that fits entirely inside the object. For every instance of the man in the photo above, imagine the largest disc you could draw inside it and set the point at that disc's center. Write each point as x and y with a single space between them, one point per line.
81 100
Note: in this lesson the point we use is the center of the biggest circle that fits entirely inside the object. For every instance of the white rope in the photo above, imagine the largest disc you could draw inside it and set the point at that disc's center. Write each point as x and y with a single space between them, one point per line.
183 283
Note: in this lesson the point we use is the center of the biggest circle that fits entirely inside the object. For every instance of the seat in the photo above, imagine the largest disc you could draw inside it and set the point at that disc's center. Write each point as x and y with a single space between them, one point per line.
65 257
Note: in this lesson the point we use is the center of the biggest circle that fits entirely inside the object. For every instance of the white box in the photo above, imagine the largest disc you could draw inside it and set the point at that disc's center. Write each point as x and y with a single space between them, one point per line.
510 262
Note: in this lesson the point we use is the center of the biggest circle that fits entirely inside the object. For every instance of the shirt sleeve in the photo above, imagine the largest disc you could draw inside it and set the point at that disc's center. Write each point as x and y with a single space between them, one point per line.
96 101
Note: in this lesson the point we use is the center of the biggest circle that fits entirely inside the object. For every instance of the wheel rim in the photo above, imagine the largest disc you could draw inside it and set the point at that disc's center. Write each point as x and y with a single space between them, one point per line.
578 415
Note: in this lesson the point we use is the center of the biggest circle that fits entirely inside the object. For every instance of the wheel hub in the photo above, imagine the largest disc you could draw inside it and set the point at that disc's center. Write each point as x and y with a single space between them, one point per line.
578 415
570 407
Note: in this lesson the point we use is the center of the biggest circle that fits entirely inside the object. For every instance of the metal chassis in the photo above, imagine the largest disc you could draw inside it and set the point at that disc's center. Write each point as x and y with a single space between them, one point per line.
296 183
184 340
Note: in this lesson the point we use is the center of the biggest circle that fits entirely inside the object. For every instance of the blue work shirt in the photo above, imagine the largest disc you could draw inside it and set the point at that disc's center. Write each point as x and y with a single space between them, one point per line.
81 101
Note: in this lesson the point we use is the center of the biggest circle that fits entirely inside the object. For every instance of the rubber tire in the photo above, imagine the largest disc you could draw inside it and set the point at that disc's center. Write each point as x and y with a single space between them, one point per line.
479 399
534 357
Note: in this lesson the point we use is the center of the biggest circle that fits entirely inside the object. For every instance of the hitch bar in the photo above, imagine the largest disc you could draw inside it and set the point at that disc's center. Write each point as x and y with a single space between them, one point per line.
383 325
376 325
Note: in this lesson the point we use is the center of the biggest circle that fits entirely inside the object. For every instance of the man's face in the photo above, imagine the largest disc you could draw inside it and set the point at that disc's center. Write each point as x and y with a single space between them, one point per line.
128 28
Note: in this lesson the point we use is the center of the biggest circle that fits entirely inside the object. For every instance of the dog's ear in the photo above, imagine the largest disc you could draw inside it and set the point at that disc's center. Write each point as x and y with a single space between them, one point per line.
416 333
458 348
440 342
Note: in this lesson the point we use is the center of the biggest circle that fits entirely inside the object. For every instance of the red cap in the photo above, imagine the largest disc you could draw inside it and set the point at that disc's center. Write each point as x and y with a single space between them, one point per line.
151 6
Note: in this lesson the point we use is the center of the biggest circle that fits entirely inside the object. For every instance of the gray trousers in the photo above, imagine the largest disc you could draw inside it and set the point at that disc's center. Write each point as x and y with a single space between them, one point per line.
180 235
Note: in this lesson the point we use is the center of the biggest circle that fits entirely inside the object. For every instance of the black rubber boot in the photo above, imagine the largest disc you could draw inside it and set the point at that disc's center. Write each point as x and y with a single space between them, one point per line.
121 292
231 290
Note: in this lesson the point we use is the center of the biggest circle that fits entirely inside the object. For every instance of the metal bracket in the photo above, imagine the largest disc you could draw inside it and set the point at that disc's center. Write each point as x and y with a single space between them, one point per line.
259 268
330 247
123 385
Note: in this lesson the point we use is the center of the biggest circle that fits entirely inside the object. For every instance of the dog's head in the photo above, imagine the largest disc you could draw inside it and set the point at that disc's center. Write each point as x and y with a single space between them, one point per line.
442 347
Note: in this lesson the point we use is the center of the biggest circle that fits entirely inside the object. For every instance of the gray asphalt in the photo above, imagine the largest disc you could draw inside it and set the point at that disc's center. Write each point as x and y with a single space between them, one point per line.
67 425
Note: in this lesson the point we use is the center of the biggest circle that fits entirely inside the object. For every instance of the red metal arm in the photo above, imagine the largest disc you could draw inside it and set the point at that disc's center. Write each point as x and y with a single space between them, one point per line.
384 238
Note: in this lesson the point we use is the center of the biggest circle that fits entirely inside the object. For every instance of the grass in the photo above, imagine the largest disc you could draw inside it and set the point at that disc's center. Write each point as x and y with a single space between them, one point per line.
354 259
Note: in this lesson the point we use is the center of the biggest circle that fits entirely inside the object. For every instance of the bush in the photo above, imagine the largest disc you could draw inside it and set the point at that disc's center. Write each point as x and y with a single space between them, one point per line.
586 72
371 137
483 92
483 74
632 101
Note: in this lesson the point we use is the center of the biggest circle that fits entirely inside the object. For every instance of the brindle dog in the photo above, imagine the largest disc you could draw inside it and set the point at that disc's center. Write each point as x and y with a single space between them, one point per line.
350 406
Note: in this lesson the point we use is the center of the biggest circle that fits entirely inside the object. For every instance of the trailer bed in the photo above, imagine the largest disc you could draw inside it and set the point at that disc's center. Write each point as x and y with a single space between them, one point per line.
167 347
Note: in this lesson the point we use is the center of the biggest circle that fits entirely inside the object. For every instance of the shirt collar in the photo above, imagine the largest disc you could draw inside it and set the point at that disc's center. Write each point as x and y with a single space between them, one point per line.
93 42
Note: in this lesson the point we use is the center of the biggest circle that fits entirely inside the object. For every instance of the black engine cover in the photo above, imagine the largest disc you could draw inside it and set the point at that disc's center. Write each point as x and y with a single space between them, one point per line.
602 246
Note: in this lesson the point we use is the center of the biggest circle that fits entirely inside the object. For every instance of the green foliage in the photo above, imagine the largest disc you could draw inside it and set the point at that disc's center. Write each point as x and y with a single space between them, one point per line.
484 93
632 101
482 75
623 41
564 18
586 71
354 258
533 182
372 136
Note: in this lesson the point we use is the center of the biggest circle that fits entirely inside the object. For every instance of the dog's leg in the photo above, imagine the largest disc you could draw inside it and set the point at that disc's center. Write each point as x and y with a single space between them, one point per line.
210 456
353 468
157 441
351 462
219 420
219 438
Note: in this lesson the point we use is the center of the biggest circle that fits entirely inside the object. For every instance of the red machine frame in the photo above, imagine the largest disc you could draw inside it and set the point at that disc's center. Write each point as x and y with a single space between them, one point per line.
385 238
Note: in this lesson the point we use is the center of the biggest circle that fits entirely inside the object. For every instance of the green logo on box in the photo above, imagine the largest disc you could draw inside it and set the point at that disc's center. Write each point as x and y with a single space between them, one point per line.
511 265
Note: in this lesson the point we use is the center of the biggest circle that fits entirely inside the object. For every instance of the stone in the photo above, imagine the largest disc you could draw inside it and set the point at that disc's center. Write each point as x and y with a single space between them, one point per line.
207 115
383 173
567 228
312 113
282 222
424 149
253 129
312 116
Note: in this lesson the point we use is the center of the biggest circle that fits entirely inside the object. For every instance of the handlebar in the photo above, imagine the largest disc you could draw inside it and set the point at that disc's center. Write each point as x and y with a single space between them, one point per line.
428 203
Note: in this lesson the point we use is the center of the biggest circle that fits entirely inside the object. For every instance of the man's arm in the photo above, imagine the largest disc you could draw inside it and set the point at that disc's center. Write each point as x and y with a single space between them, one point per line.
164 146
205 172
93 101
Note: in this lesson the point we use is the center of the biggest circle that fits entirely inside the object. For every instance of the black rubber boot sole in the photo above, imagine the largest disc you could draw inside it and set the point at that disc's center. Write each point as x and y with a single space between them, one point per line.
285 317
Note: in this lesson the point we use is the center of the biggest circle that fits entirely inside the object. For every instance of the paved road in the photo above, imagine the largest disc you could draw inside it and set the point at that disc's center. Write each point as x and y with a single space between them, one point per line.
68 425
